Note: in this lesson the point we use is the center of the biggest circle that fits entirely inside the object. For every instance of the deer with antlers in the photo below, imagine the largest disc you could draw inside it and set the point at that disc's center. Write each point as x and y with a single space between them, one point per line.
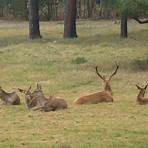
103 96
140 98
47 104
29 101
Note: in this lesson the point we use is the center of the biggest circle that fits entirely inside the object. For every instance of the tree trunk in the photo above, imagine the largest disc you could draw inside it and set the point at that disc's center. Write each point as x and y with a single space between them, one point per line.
49 10
124 30
70 19
26 9
34 26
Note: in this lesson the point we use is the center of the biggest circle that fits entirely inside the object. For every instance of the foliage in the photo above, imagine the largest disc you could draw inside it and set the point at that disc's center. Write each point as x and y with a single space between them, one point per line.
131 7
79 60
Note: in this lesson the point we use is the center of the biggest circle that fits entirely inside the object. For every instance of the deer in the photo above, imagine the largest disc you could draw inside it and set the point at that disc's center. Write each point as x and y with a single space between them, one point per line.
29 102
103 96
140 98
9 98
47 104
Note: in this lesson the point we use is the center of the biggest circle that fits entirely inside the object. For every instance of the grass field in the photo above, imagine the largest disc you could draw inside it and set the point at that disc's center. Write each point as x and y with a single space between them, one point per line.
65 68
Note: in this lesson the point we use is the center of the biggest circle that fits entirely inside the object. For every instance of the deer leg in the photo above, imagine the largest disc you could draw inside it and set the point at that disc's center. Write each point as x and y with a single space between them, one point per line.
37 108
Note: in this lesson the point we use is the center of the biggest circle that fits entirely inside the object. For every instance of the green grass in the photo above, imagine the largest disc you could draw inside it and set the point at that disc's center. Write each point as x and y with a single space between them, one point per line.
65 68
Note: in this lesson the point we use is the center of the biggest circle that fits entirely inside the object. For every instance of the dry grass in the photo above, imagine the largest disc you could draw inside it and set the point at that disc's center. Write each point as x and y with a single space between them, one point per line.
66 68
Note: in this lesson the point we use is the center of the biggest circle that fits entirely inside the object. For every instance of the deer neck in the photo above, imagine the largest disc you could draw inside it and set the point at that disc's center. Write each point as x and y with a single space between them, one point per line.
141 95
41 99
108 89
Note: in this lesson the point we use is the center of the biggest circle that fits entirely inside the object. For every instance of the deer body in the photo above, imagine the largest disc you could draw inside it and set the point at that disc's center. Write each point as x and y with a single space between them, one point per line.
53 105
140 98
47 104
95 98
9 98
98 97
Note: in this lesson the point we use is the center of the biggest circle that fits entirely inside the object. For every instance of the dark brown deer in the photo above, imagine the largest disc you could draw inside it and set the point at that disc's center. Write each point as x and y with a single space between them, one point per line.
98 97
47 104
29 101
140 98
9 98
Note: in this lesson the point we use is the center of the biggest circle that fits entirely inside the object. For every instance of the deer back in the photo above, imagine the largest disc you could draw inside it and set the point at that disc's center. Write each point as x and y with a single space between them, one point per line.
9 98
95 98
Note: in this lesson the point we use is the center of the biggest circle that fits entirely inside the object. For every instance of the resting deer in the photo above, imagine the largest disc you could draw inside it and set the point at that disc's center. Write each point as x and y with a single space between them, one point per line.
9 98
140 98
30 103
98 97
47 104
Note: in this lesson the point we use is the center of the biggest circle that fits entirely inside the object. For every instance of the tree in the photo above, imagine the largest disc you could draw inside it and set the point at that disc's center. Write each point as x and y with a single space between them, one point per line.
129 9
34 26
124 30
70 19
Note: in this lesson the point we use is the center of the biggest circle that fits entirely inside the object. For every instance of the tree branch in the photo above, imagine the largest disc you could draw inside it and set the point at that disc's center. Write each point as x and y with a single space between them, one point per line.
144 21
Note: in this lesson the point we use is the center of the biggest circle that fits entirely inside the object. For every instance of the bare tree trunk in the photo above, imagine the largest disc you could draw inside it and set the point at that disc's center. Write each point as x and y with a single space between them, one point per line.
26 9
1 11
79 9
124 30
70 19
34 26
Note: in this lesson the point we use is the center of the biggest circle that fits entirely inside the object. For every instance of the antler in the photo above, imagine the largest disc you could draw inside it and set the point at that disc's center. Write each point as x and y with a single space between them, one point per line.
138 86
115 72
29 89
99 74
146 86
24 91
39 86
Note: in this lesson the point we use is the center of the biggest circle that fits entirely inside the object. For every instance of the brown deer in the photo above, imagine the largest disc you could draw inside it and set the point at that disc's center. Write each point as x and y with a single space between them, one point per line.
98 97
29 102
9 98
140 98
47 104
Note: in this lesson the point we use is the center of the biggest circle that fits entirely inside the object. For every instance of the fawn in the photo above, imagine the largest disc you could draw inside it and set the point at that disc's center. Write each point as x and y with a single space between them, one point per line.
98 97
140 98
9 98
47 104
30 103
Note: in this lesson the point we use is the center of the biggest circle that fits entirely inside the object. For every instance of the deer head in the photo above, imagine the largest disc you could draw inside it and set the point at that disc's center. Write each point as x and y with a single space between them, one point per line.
25 92
28 97
38 95
142 90
107 86
38 91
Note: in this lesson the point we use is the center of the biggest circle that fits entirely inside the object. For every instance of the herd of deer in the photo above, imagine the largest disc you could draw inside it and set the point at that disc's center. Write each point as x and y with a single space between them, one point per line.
37 100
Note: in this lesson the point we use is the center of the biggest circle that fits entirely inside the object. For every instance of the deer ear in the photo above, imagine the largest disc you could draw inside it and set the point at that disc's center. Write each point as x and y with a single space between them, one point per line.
146 87
39 86
21 90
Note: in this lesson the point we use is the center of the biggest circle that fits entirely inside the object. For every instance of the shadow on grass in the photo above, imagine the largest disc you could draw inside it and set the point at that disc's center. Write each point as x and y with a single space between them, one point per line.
108 39
140 64
12 40
15 40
